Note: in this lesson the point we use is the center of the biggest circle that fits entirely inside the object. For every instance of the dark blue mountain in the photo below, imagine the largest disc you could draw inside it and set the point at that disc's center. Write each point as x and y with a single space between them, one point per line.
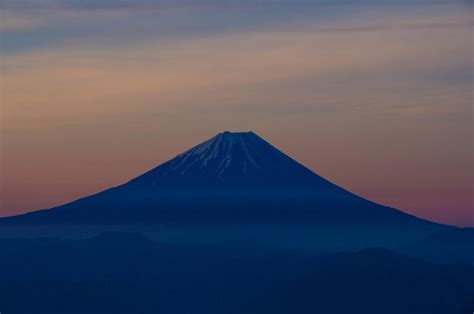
129 273
445 246
232 225
372 281
230 178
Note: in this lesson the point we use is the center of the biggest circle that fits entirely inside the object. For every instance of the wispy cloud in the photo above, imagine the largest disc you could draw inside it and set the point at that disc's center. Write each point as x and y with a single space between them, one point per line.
227 61
9 23
147 4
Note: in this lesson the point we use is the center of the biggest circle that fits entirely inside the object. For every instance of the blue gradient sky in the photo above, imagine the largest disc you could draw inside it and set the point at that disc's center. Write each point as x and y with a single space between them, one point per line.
376 96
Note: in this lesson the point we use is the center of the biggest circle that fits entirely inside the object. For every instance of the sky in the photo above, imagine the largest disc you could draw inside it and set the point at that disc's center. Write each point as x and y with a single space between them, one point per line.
375 96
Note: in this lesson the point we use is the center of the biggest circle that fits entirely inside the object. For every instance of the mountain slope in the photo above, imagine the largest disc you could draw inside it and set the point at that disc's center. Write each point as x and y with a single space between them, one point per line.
233 177
240 159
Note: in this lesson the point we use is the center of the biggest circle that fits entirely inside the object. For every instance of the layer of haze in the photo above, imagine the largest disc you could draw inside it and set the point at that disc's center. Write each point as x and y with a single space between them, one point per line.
374 96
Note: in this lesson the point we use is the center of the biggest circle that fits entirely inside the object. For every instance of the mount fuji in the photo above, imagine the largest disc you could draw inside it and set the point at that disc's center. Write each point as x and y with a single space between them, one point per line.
228 179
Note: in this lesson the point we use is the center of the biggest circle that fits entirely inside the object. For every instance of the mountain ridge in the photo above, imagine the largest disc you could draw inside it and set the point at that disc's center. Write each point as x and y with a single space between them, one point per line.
234 177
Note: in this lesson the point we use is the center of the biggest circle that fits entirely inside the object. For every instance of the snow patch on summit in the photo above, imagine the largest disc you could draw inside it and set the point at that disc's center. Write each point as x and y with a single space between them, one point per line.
237 158
221 149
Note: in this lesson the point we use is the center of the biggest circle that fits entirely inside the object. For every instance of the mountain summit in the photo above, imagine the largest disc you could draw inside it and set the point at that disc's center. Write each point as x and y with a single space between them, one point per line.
230 178
229 159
